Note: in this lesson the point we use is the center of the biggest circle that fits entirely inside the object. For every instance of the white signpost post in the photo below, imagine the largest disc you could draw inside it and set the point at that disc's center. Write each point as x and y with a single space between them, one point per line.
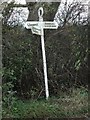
37 27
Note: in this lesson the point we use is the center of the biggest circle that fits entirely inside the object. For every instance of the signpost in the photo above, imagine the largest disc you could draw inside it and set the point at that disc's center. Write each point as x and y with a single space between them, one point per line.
37 27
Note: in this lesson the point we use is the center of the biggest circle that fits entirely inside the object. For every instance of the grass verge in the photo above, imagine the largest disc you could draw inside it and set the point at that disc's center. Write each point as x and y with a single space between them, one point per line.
74 104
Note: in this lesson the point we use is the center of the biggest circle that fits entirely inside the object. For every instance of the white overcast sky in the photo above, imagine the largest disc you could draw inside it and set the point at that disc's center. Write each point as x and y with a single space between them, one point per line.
23 15
24 1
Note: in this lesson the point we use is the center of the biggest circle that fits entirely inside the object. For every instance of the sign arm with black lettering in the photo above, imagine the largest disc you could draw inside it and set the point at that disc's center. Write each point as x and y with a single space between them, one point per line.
30 24
45 24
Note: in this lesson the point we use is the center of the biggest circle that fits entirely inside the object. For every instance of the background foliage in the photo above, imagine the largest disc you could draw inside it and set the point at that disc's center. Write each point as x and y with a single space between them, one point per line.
66 51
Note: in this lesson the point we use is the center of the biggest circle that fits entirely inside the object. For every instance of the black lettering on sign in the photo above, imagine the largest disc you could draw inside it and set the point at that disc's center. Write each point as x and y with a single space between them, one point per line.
32 24
50 25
